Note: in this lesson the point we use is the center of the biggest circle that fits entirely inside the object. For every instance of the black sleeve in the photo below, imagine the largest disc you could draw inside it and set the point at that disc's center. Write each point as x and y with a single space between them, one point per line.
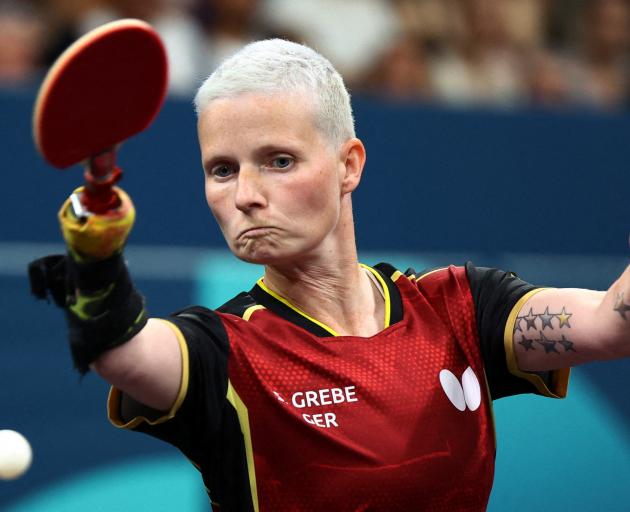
495 293
198 411
208 348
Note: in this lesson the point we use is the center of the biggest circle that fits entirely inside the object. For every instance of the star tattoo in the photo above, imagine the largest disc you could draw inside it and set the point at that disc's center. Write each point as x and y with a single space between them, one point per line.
517 324
548 345
621 307
546 319
564 317
530 319
568 345
527 344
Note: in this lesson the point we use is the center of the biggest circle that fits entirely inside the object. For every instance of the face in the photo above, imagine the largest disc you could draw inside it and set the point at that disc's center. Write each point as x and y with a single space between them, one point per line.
273 182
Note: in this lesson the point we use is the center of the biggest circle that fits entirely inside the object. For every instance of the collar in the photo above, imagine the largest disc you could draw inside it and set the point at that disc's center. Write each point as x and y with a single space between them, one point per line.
283 308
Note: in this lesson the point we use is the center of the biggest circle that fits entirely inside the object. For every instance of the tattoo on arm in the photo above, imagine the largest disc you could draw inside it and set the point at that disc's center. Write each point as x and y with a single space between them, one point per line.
538 322
621 307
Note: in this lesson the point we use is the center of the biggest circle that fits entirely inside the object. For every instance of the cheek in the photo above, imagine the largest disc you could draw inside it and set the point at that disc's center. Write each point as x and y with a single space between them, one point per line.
215 202
318 194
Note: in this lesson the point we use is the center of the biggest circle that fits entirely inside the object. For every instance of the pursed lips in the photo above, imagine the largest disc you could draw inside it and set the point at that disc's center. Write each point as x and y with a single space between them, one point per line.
253 230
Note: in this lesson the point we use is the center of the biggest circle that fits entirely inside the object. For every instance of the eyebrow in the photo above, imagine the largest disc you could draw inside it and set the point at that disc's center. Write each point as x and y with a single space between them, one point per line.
277 148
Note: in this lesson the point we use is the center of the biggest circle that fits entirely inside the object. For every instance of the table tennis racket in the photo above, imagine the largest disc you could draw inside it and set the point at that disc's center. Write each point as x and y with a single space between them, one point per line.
106 87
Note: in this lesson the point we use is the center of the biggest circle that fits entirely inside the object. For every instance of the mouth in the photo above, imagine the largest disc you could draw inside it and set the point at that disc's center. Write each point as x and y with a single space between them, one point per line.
255 231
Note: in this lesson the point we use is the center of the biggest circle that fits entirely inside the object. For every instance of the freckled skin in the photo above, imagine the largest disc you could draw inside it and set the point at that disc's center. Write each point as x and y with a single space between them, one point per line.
298 206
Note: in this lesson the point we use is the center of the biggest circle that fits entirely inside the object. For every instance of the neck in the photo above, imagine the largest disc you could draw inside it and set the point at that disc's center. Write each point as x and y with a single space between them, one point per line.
331 286
342 297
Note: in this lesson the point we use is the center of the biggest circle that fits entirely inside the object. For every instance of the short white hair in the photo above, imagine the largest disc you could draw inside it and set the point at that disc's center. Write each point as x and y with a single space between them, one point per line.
275 66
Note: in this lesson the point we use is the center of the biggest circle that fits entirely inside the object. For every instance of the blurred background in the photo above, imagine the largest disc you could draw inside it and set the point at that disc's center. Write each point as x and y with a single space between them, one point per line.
497 131
500 53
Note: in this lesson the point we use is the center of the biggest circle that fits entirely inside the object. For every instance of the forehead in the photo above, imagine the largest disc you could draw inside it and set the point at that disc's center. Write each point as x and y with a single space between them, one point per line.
257 119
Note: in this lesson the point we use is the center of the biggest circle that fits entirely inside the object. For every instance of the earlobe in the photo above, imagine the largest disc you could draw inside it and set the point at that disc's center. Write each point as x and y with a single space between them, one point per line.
353 160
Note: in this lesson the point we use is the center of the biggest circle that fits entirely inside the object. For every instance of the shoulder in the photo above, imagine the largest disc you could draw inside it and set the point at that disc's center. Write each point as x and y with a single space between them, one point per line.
427 279
436 272
493 284
481 284
237 306
467 274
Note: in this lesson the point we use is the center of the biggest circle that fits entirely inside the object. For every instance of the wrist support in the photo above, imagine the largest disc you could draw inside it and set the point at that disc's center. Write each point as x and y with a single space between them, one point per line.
103 309
97 236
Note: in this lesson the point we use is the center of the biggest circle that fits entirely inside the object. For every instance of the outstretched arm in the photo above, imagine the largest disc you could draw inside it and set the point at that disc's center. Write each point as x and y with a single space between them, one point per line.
107 320
560 328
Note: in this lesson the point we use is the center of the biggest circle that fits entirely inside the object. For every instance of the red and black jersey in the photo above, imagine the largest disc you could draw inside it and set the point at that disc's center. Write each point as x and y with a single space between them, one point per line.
278 412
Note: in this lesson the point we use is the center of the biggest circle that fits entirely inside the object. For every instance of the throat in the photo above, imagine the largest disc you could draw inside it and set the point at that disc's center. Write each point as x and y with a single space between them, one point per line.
355 309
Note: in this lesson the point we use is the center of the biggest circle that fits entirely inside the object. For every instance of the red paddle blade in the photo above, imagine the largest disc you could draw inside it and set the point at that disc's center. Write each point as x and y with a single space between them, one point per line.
106 87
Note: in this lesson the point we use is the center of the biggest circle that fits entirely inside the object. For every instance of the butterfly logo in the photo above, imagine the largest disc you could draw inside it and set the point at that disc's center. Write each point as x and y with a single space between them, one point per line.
464 394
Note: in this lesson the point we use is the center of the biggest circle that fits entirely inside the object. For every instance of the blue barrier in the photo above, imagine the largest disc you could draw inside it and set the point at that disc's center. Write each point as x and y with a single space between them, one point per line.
435 180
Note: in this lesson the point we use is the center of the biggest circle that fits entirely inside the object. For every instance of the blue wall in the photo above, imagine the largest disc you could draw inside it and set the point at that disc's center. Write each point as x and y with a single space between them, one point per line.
435 180
540 193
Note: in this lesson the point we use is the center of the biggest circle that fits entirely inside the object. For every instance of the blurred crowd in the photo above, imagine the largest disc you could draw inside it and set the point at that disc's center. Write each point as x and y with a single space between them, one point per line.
498 53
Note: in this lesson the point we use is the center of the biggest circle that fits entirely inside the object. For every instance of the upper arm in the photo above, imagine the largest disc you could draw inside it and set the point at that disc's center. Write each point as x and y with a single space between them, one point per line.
148 368
557 328
181 407
497 297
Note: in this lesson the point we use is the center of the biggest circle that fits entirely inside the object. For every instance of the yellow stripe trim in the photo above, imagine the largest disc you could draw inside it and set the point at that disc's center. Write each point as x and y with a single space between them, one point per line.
297 310
396 275
429 273
559 378
388 303
243 419
251 310
115 395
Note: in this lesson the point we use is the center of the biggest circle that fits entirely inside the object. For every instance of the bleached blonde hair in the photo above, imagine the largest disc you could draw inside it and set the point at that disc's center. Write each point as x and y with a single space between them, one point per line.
276 66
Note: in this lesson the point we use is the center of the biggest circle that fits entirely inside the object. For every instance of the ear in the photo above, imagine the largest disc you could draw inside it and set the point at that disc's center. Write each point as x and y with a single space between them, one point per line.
352 161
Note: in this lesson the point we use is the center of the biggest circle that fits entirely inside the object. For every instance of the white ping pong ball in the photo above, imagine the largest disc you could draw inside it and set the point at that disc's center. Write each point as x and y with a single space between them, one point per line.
15 454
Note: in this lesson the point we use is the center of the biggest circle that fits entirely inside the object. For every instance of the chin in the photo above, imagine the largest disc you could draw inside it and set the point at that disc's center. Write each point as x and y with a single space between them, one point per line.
257 255
266 255
255 259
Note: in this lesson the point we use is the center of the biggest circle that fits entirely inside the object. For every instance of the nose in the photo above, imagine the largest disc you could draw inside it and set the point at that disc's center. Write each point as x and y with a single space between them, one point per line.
249 189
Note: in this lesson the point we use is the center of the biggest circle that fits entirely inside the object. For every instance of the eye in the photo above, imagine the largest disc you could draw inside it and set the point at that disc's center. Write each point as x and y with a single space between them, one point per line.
282 162
222 170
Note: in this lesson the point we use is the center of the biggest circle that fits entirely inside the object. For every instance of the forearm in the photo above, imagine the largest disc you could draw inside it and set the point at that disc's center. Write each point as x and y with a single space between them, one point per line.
106 315
102 307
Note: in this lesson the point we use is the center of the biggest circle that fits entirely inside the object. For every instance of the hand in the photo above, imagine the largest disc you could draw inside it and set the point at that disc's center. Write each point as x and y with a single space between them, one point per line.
96 237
